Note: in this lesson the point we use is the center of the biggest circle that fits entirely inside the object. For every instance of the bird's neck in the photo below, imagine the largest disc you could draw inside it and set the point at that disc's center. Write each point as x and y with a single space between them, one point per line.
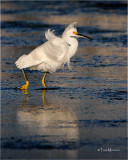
71 40
73 46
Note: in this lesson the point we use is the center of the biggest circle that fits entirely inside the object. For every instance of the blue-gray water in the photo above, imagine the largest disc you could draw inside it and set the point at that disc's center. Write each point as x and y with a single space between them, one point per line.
83 114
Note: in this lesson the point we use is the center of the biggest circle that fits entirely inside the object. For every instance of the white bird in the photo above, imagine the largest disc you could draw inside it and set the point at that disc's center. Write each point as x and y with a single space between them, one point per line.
52 54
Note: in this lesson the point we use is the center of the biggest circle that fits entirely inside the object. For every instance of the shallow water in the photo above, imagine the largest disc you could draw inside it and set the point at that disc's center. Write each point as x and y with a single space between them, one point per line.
84 108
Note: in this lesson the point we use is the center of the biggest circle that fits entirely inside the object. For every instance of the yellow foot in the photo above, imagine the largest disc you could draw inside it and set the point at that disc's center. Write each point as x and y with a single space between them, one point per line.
25 87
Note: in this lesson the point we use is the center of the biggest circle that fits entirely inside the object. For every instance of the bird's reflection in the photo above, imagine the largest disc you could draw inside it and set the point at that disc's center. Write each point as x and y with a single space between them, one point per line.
48 117
26 93
43 98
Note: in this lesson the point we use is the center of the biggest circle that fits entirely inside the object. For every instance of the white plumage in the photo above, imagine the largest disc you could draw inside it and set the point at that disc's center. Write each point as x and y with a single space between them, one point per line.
53 54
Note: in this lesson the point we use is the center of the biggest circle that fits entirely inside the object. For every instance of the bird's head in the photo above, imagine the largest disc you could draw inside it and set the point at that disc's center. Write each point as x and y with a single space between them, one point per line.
71 31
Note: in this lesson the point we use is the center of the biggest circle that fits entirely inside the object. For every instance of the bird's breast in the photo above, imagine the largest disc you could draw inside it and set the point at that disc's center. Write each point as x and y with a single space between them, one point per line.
72 48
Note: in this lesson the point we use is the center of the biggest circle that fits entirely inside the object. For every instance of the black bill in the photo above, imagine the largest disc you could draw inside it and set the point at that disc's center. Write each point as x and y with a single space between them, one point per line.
83 36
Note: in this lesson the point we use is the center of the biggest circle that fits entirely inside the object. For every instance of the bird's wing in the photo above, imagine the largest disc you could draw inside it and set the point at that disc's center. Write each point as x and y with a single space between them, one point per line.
49 35
56 49
51 50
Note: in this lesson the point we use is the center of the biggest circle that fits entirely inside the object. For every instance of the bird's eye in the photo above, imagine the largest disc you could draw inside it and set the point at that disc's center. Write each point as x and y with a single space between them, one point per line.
75 32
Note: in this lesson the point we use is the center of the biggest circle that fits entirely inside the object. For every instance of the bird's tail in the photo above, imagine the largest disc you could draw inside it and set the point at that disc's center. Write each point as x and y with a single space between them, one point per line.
21 62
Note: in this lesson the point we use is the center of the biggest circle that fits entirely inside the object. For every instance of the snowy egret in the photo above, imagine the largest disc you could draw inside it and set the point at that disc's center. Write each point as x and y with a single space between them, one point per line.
51 55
